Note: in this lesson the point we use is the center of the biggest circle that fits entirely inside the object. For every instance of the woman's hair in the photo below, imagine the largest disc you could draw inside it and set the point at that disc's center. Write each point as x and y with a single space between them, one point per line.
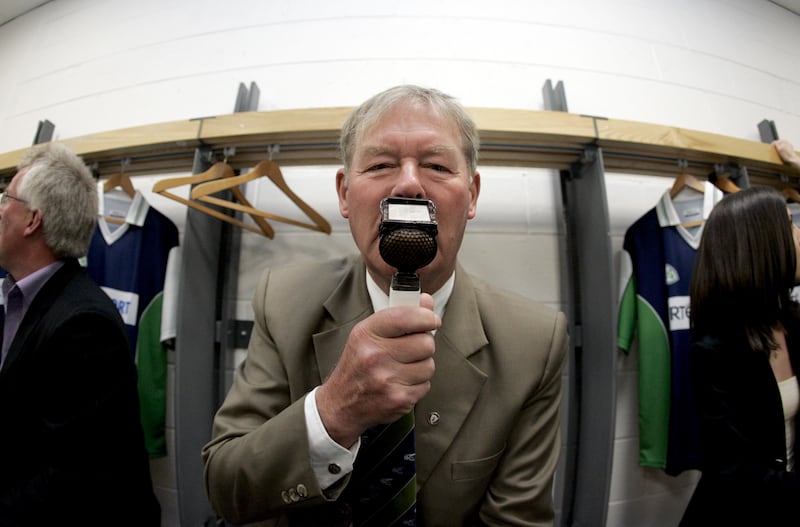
371 111
745 267
62 188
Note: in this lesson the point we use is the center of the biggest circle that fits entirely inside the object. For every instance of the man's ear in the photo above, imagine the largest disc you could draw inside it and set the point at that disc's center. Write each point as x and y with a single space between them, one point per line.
34 223
341 192
474 191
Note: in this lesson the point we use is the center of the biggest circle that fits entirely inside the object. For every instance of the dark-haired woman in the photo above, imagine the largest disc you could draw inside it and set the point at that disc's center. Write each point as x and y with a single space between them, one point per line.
745 332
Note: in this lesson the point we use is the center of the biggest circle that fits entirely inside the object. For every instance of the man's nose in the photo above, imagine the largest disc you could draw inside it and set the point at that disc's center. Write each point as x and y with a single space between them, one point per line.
409 182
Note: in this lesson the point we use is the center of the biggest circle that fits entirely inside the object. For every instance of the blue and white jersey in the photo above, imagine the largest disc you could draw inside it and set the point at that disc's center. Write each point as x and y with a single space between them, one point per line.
656 269
136 263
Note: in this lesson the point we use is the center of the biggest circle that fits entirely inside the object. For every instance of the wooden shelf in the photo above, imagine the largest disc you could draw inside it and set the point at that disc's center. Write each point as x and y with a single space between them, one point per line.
509 137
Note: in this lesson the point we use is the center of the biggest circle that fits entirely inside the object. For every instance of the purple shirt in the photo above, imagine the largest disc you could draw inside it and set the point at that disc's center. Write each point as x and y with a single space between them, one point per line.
18 297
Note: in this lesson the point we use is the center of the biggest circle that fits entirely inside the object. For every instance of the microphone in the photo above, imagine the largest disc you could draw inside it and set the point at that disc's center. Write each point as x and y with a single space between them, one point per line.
407 242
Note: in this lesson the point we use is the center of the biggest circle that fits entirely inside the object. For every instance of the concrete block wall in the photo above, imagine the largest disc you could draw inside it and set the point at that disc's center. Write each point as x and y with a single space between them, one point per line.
713 65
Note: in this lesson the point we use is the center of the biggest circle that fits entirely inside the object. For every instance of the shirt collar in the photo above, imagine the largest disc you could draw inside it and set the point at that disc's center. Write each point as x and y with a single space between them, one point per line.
136 207
31 284
668 216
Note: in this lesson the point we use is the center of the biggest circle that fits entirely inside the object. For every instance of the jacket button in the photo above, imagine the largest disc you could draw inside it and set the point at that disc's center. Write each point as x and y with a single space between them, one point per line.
293 496
433 418
333 468
302 491
285 497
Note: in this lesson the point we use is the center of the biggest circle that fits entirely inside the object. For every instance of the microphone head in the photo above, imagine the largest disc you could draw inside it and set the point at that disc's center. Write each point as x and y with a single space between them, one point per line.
408 249
407 233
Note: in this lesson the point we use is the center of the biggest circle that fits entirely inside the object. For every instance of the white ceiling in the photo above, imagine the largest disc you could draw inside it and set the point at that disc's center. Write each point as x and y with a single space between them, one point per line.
10 9
791 5
13 8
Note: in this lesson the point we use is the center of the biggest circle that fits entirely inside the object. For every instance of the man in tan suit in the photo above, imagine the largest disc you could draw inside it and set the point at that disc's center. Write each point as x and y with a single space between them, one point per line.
479 367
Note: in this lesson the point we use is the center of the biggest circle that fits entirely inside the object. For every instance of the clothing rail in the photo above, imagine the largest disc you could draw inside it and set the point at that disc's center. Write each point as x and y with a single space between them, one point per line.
508 138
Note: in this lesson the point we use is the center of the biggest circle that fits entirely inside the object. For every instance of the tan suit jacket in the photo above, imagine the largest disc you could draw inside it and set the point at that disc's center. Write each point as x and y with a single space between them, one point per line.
487 433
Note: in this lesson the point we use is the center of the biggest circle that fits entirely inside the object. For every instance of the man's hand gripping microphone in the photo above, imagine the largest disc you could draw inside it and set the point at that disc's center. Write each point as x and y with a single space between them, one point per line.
407 242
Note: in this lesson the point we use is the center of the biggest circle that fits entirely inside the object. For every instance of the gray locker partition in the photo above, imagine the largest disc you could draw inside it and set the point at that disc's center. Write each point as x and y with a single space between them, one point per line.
196 393
590 394
207 331
592 369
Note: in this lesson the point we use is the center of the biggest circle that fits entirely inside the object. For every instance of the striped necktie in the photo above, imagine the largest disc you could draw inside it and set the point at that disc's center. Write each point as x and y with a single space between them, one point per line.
385 482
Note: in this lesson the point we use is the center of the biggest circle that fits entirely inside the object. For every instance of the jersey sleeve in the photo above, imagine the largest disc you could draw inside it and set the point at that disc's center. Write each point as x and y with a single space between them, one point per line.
626 316
169 314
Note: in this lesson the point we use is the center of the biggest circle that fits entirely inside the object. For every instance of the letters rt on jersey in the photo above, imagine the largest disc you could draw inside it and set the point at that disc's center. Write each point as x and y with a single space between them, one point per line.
678 312
127 303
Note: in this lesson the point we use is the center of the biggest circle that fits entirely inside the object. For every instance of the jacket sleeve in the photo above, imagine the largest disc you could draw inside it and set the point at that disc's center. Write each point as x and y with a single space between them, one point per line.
257 462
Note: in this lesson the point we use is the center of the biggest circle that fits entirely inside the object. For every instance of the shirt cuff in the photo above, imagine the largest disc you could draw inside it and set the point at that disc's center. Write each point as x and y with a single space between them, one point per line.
330 461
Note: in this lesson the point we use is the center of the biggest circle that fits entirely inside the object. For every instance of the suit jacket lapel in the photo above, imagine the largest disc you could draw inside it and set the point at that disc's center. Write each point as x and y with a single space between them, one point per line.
457 382
347 306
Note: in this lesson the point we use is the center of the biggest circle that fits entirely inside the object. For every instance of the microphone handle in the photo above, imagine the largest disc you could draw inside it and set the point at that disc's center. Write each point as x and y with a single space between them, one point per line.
403 298
405 289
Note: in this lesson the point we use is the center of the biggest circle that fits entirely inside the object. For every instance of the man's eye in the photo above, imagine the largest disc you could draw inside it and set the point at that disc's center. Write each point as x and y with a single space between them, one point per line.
438 168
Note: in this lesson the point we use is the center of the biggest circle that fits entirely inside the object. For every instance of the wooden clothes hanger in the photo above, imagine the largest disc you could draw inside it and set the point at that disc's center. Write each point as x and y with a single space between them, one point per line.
268 169
686 180
216 171
721 177
791 194
121 180
726 185
118 180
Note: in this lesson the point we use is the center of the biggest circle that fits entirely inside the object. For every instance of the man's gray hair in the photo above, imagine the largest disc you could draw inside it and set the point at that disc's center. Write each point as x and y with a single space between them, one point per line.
364 117
62 188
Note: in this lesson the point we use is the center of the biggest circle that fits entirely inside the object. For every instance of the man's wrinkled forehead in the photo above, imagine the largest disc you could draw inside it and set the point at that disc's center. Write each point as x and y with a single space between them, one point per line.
365 141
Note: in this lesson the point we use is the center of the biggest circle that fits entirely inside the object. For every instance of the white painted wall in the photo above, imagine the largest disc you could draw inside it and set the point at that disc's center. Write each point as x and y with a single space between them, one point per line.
712 65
